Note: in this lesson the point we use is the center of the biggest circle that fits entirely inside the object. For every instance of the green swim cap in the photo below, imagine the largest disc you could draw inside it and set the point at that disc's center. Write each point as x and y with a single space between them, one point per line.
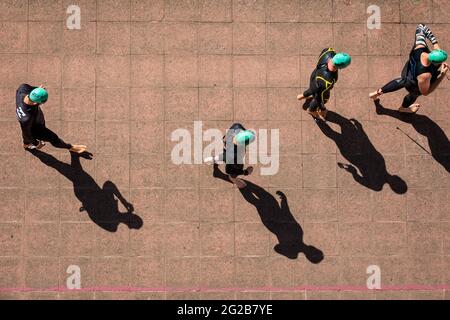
437 56
245 137
39 95
342 60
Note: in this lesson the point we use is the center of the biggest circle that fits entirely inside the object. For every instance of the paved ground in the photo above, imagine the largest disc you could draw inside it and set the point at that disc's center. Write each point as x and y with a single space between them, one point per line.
137 70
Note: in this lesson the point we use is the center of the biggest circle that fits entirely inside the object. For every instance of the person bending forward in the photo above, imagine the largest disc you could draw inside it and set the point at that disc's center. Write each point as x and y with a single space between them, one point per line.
422 74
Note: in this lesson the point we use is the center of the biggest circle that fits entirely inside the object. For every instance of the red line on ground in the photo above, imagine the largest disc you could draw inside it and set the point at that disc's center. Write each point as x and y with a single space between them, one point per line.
260 289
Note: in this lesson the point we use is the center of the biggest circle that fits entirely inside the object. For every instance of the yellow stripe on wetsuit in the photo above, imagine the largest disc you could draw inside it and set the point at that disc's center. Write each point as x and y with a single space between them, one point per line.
327 86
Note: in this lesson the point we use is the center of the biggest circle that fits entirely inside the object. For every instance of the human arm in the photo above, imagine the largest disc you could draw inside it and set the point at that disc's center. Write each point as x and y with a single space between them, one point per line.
425 85
423 33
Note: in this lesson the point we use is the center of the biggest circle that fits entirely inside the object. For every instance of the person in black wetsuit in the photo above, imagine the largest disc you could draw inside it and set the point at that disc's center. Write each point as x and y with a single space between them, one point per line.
235 142
322 80
32 121
422 74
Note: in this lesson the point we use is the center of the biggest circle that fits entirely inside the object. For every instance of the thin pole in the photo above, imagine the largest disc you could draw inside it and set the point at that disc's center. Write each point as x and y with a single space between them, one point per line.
414 141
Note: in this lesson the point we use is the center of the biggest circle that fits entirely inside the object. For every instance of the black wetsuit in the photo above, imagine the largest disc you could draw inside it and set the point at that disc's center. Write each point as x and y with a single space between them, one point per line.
414 67
233 155
32 121
321 82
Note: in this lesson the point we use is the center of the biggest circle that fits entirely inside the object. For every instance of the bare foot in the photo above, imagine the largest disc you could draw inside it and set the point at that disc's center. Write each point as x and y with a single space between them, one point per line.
322 114
411 109
78 148
374 95
314 114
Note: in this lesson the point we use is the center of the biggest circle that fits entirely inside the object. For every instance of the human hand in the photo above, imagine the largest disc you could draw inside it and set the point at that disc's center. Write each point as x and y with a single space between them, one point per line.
444 68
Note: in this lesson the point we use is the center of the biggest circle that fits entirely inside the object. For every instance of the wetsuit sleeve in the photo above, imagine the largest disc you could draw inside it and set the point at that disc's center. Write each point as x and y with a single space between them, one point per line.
423 33
311 91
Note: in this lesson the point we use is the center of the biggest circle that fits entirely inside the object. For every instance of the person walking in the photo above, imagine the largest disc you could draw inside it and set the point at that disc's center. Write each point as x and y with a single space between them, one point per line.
322 81
32 121
235 142
422 74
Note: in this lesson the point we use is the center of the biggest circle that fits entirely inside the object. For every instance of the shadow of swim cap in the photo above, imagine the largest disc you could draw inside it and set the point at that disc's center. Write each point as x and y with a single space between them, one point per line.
437 56
245 137
342 60
39 95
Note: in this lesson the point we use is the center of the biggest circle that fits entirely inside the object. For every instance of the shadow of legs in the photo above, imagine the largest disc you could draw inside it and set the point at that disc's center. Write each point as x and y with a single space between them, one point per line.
278 219
98 203
438 141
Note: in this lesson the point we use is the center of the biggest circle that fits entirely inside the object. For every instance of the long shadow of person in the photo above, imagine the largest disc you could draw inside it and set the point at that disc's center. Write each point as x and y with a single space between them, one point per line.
99 203
436 137
277 217
356 147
